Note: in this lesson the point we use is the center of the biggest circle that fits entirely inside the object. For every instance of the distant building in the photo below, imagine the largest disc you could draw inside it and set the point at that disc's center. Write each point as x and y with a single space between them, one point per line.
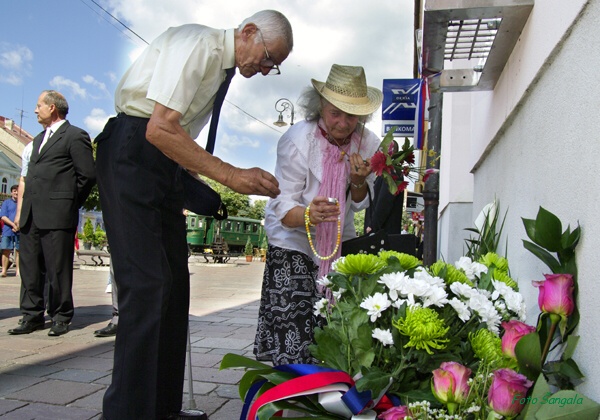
13 140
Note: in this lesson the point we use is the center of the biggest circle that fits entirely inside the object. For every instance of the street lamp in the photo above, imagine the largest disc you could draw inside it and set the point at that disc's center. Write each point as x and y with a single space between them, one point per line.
281 106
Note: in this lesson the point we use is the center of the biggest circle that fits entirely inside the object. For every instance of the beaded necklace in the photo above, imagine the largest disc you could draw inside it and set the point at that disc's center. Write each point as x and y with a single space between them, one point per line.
308 224
344 143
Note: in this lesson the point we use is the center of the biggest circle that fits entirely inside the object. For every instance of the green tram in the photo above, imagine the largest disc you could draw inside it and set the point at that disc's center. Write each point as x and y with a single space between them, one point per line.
205 231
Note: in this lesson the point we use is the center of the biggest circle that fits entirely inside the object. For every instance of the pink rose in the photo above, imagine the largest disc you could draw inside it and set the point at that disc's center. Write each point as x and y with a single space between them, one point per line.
506 391
556 294
513 331
449 383
395 413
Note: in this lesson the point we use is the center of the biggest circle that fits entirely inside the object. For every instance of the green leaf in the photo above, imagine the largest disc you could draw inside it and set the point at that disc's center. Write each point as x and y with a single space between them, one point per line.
392 187
548 230
540 389
529 355
231 360
543 255
529 228
572 342
567 405
570 240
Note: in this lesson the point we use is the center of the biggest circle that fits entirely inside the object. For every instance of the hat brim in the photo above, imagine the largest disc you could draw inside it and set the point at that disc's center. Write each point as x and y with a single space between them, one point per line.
374 95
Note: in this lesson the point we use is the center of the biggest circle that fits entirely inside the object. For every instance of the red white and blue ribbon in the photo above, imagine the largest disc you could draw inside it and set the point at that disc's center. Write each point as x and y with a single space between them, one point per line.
335 389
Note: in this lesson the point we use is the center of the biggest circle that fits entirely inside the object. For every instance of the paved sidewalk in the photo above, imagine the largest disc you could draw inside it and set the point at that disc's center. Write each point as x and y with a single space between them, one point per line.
65 377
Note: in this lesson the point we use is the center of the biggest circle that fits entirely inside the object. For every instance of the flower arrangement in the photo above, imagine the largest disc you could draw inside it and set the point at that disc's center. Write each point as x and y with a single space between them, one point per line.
396 165
448 341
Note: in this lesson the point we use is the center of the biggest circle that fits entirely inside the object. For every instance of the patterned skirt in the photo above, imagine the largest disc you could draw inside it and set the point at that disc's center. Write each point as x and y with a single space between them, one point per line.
285 318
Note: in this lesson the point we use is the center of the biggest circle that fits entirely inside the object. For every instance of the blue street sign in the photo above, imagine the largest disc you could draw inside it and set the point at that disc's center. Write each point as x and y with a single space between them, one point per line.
400 98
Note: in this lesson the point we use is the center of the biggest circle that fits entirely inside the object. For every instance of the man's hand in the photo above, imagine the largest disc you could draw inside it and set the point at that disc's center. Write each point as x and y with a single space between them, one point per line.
253 181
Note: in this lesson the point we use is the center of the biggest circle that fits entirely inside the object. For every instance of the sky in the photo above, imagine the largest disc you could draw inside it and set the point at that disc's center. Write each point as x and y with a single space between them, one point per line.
76 48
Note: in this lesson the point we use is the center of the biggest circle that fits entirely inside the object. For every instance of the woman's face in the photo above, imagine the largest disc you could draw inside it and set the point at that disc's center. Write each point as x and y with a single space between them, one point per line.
338 124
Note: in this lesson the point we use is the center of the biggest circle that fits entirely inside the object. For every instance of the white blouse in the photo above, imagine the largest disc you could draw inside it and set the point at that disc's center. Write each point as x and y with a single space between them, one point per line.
299 172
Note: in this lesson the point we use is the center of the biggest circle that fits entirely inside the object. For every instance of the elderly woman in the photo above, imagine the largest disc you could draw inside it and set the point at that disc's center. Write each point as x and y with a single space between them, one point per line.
323 169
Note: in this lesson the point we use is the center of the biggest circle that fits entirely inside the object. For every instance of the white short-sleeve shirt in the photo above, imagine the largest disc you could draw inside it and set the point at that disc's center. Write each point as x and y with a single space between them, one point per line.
182 69
25 158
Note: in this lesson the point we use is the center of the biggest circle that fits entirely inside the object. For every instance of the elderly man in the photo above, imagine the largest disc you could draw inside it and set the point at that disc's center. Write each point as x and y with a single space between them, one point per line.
58 180
163 101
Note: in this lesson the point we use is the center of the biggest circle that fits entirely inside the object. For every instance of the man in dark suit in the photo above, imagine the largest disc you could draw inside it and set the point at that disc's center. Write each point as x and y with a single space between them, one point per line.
60 176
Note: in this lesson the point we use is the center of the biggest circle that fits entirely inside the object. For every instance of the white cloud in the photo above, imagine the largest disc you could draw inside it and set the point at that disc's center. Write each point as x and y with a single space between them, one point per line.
95 121
101 86
16 60
59 83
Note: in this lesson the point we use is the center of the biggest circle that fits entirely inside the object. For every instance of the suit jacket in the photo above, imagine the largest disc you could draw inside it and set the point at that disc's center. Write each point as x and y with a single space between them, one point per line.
59 179
386 209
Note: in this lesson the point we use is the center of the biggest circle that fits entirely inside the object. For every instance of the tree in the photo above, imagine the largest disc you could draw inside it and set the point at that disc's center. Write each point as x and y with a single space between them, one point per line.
237 204
257 209
93 200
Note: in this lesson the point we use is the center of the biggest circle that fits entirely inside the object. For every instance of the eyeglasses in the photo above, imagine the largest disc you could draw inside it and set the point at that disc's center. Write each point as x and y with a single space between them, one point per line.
268 61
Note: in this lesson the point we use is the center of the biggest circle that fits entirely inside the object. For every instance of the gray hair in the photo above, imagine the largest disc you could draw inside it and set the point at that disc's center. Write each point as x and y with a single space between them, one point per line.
273 25
310 105
58 100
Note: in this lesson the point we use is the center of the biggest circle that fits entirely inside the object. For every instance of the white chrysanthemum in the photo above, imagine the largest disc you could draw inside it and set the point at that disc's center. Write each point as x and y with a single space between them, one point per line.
463 290
320 307
500 289
385 336
471 269
486 312
514 300
375 305
415 288
337 294
422 274
336 262
324 281
437 296
461 309
394 282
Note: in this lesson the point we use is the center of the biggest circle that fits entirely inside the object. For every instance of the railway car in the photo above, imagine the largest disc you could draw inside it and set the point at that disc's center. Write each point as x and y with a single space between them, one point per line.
204 231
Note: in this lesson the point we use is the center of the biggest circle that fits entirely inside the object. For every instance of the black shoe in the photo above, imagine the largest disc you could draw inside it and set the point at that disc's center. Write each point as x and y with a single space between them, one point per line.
58 328
27 327
188 414
109 331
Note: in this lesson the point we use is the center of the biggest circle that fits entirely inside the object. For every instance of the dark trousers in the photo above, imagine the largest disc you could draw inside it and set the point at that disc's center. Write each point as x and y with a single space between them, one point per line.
142 205
49 251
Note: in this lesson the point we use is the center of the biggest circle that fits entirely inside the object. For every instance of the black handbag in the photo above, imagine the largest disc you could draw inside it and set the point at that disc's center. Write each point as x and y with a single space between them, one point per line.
200 198
366 244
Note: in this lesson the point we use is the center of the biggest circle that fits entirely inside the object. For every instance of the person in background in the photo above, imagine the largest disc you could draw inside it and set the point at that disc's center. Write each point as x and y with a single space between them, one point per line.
386 209
163 101
60 176
323 168
10 230
111 329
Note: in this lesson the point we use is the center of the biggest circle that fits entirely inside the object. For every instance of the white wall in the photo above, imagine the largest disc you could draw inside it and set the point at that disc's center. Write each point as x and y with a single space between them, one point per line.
534 142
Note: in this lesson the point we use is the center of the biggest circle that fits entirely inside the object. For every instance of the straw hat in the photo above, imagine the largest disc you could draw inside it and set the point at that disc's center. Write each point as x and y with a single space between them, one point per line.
346 88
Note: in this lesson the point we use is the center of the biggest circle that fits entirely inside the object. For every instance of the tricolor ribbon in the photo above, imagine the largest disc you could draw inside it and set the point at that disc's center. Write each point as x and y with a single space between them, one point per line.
336 392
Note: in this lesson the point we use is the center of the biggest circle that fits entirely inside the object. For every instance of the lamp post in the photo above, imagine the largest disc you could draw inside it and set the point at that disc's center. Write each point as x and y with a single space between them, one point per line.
282 105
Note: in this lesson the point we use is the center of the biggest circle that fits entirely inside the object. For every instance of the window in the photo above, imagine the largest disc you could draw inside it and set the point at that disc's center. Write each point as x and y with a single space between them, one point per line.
4 186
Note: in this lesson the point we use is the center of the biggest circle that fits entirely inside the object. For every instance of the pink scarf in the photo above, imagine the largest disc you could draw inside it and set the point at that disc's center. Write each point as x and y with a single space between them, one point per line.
334 184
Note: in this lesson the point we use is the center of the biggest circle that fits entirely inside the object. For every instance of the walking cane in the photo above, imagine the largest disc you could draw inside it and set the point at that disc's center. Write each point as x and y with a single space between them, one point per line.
191 410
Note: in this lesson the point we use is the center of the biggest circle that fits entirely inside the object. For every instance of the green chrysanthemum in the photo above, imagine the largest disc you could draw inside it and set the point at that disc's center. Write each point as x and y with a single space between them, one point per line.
406 261
487 346
499 262
424 328
505 278
358 264
452 275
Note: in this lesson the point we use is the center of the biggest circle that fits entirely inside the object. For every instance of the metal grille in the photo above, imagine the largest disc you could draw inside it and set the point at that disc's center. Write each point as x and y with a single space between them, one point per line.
469 39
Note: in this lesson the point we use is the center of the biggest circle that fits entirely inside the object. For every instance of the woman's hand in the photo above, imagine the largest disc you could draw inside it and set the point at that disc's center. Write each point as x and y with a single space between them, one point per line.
323 210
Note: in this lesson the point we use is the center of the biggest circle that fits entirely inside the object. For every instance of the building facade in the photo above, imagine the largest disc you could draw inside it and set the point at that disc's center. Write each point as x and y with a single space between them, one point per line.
530 142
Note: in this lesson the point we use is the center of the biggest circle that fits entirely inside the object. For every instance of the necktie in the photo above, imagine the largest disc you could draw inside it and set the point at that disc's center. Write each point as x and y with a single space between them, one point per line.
48 135
214 121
